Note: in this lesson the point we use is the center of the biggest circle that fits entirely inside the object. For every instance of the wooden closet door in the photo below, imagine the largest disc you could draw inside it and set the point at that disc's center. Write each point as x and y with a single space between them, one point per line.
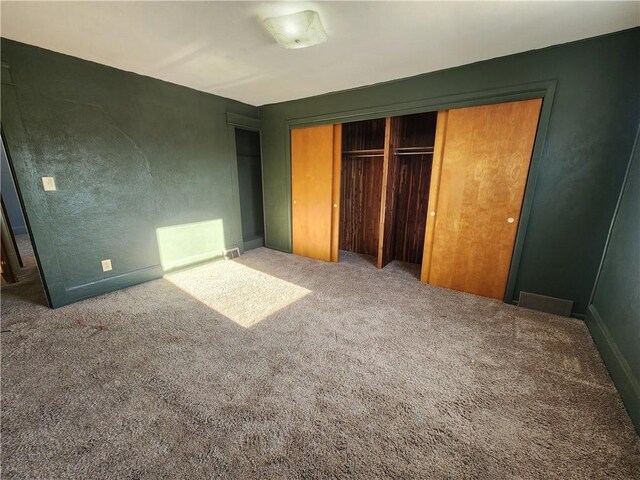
481 163
315 191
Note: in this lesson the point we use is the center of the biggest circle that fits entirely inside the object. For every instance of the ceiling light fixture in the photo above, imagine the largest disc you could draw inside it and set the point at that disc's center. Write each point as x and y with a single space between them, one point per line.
297 30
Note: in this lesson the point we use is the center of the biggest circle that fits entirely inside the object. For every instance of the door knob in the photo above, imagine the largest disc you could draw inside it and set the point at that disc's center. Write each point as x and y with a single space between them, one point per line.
511 220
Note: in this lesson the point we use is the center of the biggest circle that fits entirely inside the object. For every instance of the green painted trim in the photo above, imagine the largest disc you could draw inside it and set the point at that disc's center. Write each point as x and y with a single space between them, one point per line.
615 214
529 191
616 364
155 270
235 185
243 121
545 90
106 285
182 268
430 104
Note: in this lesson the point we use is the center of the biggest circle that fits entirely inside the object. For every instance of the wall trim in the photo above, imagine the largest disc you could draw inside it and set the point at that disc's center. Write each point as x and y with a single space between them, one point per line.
243 121
617 366
235 182
111 278
105 285
543 89
525 91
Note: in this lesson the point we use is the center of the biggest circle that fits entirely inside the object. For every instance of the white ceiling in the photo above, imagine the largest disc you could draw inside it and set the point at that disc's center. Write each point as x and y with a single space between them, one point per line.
222 48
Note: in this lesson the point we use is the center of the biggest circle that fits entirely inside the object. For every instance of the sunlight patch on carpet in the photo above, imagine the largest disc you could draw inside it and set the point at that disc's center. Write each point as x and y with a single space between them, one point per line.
240 293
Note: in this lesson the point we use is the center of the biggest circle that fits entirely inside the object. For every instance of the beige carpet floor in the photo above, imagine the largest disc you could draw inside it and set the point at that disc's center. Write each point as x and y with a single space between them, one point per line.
277 366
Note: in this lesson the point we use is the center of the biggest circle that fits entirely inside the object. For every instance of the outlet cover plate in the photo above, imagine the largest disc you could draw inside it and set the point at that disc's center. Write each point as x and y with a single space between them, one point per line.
106 265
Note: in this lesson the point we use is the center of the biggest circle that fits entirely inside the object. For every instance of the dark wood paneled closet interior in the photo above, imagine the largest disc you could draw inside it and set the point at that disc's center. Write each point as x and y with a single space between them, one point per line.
361 185
407 152
414 156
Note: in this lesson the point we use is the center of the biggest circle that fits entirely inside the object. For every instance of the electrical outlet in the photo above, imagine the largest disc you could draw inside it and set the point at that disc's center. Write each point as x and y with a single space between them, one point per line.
48 184
106 265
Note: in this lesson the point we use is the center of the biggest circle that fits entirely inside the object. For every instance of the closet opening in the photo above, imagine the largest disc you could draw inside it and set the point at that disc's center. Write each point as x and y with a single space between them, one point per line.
361 186
386 171
413 152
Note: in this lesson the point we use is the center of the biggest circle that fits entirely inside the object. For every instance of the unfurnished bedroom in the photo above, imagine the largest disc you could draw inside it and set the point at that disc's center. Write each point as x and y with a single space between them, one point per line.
297 240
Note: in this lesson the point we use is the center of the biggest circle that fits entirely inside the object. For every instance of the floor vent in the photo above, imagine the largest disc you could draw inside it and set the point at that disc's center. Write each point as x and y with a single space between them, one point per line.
231 253
557 306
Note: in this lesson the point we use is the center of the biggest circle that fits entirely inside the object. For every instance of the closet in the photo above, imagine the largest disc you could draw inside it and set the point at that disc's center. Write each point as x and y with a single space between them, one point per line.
441 189
385 175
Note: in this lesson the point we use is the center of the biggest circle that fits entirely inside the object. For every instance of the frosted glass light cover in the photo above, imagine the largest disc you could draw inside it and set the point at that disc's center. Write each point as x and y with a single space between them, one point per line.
297 30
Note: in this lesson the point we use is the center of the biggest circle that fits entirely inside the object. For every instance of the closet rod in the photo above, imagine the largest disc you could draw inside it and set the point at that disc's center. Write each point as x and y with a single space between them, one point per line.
414 153
367 150
413 148
360 155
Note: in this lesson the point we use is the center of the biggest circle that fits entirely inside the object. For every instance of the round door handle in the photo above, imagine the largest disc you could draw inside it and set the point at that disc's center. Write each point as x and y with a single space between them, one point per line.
433 214
511 220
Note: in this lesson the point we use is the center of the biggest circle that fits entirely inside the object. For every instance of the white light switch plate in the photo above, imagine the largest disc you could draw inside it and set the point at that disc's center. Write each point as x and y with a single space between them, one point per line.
48 184
106 265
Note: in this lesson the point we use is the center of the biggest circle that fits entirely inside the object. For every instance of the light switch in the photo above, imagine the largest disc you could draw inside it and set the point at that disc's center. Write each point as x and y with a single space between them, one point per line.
48 184
106 265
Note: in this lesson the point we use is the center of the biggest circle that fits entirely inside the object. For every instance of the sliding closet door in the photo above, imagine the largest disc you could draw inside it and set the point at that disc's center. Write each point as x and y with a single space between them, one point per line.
480 167
315 190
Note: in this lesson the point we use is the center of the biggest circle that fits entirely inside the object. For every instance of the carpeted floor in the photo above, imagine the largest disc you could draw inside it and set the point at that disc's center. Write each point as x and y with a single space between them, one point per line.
277 366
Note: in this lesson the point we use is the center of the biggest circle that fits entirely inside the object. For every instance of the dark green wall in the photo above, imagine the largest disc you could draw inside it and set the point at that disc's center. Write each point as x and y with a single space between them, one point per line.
582 164
614 314
143 170
250 186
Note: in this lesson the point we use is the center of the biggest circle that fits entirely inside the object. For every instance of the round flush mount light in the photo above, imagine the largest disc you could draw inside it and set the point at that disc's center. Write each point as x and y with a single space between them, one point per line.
297 30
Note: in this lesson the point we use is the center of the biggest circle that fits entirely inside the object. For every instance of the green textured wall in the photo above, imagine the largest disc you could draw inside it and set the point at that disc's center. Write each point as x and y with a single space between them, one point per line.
143 170
614 314
586 148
